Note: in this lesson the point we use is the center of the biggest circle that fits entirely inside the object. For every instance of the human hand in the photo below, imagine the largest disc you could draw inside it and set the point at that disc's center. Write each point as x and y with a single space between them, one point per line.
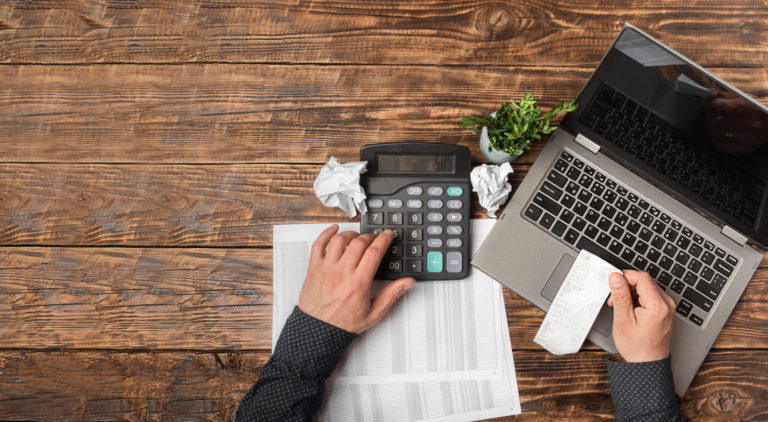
643 333
337 289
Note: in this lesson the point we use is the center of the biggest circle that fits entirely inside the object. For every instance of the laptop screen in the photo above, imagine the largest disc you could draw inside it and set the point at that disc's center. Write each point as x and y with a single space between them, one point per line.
682 129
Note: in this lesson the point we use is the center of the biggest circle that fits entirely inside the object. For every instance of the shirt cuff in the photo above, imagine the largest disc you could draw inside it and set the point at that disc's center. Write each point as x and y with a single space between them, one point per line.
642 387
310 346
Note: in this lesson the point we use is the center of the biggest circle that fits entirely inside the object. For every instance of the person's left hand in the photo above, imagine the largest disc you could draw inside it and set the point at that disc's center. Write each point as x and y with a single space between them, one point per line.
337 289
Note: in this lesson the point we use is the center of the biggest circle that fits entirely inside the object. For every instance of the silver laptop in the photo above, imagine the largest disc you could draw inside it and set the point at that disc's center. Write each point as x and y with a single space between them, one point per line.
663 168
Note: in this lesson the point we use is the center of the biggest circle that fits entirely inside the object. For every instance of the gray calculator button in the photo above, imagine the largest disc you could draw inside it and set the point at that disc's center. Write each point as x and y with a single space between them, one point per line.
454 204
453 230
376 218
394 203
434 243
375 203
434 230
453 243
435 217
414 190
414 203
434 191
453 262
434 204
454 217
395 218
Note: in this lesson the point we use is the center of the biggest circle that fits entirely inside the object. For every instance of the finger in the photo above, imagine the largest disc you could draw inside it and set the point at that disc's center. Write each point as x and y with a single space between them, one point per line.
372 257
318 247
356 249
387 297
338 245
648 292
621 299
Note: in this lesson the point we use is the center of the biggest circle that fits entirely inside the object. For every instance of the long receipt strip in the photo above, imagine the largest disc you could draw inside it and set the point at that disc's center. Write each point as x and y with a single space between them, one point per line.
442 352
576 305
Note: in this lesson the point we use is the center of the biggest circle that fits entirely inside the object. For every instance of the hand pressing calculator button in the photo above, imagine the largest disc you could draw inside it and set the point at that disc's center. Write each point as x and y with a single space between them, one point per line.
420 191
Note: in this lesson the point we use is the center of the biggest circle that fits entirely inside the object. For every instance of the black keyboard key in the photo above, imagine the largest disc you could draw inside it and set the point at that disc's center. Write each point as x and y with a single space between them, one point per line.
640 263
591 231
633 227
658 227
603 239
719 281
615 247
559 228
604 224
579 223
592 216
578 163
687 232
676 225
677 286
589 170
572 188
632 197
598 250
707 273
547 220
567 201
670 250
653 270
645 234
696 319
654 211
580 209
683 242
571 236
695 265
682 258
695 250
610 183
573 173
597 189
670 234
621 190
665 278
600 177
644 205
610 196
628 255
584 196
557 178
621 219
698 239
628 239
684 307
547 203
616 232
566 156
657 242
709 246
698 299
708 258
622 204
641 247
633 211
732 260
690 278
723 268
666 262
646 219
585 181
551 190
678 270
708 289
561 165
533 212
609 211
566 216
654 255
719 252
597 203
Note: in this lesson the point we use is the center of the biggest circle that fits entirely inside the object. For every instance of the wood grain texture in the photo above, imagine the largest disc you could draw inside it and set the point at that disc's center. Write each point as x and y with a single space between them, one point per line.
208 386
531 33
263 113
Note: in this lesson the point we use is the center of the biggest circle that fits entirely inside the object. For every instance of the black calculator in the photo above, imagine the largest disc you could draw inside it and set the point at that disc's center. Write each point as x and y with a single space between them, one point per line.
419 190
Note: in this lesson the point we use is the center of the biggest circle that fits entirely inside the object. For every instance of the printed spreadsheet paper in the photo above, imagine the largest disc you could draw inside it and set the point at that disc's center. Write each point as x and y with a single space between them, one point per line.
442 352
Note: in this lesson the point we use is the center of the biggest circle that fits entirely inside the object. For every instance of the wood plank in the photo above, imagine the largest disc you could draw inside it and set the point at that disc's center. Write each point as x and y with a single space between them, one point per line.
262 113
204 299
533 33
209 386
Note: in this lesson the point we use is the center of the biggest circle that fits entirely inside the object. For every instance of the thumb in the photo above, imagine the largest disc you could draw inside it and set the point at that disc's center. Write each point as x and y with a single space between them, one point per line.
623 309
388 296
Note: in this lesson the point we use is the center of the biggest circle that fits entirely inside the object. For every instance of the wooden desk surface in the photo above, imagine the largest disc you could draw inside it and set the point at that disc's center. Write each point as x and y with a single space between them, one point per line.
147 149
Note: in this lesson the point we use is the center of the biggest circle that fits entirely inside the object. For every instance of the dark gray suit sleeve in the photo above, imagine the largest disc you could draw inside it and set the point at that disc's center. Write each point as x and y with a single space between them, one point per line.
643 391
292 382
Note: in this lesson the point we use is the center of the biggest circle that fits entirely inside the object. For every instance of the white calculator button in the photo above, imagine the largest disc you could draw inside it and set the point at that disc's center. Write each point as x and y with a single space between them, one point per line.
375 203
435 230
453 243
435 204
435 217
454 204
453 262
394 203
434 191
454 217
414 203
414 190
453 230
434 243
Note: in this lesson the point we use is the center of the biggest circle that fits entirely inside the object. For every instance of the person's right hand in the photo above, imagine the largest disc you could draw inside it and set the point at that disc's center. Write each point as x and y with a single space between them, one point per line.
643 333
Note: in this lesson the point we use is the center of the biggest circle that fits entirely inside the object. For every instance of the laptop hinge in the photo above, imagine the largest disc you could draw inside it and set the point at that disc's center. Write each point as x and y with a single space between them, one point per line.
587 143
732 234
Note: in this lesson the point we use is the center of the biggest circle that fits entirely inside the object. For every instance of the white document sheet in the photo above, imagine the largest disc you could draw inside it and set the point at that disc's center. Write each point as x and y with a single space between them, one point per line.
576 305
442 351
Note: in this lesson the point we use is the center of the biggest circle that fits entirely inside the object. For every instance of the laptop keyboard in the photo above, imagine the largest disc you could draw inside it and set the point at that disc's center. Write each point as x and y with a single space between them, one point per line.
588 210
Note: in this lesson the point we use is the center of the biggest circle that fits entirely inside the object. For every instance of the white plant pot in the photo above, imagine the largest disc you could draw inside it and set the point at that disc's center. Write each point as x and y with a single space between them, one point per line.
495 156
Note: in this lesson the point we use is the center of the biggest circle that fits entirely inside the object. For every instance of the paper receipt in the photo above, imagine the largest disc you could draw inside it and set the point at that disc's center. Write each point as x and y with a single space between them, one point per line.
576 305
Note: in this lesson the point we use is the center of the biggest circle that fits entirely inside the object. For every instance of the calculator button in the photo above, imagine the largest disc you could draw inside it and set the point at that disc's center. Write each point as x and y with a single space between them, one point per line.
414 203
396 249
413 249
397 234
394 203
454 204
395 266
413 265
434 191
375 203
414 234
395 218
376 218
414 190
434 204
414 218
453 262
435 230
435 217
453 243
454 191
453 230
454 217
434 261
434 243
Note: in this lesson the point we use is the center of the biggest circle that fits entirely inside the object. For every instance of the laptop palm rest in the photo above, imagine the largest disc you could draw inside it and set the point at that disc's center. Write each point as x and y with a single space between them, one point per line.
604 322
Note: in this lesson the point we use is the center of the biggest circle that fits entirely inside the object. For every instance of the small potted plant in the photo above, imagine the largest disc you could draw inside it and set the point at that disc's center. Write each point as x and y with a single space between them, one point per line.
511 129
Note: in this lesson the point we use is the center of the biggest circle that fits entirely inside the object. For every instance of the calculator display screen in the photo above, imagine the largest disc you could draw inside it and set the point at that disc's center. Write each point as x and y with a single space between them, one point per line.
417 163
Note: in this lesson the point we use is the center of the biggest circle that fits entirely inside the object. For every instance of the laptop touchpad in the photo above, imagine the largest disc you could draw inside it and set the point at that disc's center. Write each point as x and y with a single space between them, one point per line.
604 321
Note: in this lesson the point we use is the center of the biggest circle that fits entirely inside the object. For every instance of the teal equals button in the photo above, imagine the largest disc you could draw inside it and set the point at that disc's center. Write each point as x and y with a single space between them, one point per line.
434 261
454 191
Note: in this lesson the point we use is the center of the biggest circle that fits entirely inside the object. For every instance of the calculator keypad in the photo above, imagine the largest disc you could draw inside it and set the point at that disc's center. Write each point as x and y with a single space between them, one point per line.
430 222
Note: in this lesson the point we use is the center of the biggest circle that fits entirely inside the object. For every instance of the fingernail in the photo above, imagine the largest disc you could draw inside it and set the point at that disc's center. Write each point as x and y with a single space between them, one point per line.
615 280
409 285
